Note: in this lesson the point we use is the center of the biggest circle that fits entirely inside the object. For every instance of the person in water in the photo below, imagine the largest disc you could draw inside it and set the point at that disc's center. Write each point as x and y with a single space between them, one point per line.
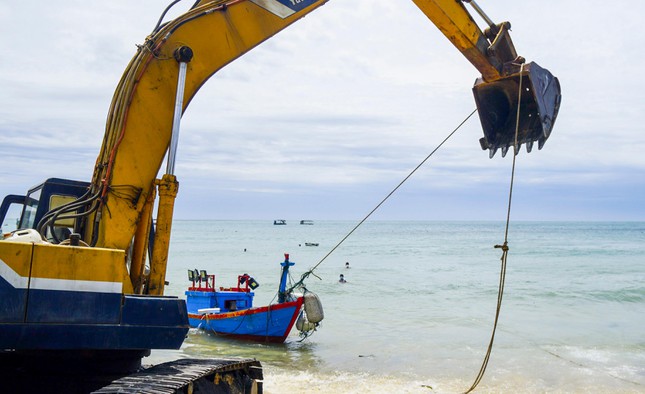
342 279
347 265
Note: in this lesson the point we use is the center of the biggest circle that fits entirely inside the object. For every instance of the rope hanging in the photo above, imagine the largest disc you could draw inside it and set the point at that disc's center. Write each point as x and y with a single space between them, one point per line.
504 246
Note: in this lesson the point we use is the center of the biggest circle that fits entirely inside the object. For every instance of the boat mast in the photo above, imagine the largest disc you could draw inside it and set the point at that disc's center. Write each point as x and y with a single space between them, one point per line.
282 291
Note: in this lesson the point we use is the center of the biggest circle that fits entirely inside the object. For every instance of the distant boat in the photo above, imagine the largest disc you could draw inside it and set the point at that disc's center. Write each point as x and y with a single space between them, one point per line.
230 311
311 244
279 222
309 222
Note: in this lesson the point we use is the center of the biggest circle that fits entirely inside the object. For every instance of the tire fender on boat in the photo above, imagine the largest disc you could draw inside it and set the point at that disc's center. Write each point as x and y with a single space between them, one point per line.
313 308
303 324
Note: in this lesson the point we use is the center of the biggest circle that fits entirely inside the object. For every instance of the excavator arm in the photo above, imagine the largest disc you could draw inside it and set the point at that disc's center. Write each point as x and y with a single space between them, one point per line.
459 27
139 124
138 130
84 290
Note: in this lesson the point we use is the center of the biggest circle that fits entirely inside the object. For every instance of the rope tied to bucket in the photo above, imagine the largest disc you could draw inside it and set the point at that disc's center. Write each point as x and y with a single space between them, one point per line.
504 246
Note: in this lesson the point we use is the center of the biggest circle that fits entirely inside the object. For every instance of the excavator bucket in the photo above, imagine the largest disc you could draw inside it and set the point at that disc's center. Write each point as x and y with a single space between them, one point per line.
497 104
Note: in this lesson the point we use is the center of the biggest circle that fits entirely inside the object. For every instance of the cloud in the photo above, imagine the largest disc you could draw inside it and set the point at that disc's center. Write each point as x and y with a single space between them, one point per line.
349 99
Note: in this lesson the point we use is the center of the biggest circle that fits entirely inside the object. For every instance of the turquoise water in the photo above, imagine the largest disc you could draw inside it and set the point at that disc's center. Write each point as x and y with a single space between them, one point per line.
417 312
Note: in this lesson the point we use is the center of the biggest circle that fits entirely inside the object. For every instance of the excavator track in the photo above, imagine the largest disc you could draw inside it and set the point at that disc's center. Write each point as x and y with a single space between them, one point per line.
193 376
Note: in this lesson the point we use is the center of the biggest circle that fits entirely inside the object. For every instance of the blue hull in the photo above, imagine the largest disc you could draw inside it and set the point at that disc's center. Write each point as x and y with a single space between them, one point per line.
263 324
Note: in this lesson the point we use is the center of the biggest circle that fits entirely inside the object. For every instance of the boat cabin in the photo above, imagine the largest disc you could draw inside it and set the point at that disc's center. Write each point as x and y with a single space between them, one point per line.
202 296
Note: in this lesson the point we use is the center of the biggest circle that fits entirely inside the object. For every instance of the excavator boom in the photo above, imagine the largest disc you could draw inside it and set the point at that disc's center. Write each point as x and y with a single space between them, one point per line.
217 32
73 276
139 126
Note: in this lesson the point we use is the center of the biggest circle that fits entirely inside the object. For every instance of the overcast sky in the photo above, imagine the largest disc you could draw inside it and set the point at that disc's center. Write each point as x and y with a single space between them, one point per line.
325 118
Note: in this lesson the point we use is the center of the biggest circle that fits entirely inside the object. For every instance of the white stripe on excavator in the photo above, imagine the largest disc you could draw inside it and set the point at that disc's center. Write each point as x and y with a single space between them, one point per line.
12 276
275 7
75 285
92 286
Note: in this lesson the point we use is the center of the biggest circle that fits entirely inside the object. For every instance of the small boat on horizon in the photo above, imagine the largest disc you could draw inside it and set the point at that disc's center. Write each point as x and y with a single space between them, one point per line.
230 311
308 222
279 222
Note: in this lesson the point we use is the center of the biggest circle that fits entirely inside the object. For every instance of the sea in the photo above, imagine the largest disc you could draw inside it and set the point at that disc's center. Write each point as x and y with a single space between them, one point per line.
416 314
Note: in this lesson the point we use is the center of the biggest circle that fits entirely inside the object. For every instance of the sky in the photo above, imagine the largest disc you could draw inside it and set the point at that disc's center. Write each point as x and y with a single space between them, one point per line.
323 120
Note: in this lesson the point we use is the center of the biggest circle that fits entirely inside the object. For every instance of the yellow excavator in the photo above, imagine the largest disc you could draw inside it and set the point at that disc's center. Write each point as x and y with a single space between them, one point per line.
82 278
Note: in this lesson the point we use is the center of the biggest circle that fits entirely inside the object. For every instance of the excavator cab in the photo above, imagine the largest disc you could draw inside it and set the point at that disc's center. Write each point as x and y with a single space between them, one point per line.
498 102
25 212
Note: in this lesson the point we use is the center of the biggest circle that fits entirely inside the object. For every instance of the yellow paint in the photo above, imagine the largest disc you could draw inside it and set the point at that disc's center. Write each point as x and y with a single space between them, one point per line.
80 263
50 261
138 128
168 188
17 256
454 21
139 123
146 95
141 244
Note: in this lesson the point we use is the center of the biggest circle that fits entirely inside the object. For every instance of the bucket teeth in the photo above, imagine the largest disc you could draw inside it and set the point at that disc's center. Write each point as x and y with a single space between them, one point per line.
498 106
483 143
516 148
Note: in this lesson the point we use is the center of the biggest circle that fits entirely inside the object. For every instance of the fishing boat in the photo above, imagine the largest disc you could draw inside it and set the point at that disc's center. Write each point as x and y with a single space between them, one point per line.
230 311
279 222
307 222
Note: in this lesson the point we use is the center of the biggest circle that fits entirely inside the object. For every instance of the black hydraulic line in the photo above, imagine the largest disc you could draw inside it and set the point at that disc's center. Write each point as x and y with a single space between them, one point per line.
53 211
222 6
56 217
160 24
163 15
95 232
151 239
79 202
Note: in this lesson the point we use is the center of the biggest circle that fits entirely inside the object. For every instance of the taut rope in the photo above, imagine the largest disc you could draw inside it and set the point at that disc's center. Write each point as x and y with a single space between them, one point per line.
306 274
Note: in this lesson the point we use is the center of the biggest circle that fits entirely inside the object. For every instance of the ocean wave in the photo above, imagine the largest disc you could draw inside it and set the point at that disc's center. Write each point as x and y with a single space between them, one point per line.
636 295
